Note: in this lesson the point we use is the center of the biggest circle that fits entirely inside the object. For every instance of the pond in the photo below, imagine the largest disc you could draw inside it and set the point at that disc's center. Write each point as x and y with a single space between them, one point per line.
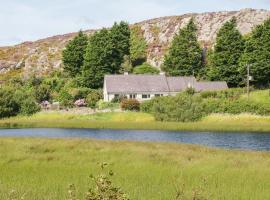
247 141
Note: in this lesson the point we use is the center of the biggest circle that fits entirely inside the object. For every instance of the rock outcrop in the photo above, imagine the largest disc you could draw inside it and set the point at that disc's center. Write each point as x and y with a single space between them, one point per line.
43 56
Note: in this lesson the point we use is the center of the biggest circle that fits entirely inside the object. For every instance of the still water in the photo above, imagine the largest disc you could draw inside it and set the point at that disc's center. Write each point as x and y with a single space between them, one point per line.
247 141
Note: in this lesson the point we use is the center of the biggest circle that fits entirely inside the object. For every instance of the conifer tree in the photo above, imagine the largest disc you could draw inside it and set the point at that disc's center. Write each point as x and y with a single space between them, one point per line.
73 54
98 59
185 54
120 38
257 55
105 53
228 50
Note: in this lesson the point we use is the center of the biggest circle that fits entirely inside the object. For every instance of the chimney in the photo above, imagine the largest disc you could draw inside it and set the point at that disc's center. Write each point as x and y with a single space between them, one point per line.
125 73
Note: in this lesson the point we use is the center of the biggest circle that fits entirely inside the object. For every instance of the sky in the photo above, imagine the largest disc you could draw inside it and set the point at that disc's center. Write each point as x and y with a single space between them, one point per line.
29 20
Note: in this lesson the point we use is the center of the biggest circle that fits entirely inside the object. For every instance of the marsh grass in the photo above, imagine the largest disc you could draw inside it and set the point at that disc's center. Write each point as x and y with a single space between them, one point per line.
137 120
259 96
44 168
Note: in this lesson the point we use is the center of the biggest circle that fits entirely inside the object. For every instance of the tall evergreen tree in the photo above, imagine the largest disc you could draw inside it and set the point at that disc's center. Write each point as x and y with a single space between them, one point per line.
98 59
228 50
185 54
120 36
73 54
257 54
105 53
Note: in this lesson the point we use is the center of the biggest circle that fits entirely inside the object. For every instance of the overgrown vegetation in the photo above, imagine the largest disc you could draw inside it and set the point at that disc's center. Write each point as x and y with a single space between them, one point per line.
192 107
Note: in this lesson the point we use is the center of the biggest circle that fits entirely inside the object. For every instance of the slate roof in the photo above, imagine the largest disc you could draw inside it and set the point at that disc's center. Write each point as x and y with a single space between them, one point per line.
177 84
118 84
136 83
215 85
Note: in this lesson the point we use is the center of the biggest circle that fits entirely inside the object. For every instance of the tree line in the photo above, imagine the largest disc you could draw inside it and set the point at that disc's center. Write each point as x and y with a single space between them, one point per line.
228 59
121 49
108 51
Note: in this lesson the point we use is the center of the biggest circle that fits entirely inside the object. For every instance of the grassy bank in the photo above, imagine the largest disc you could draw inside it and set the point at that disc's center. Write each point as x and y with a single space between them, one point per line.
131 120
43 169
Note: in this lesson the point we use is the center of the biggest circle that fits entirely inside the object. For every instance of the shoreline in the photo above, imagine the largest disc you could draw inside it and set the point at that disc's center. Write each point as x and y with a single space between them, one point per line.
140 121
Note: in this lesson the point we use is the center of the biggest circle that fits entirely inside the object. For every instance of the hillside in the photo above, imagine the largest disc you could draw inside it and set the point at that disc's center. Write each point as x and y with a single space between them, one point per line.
43 56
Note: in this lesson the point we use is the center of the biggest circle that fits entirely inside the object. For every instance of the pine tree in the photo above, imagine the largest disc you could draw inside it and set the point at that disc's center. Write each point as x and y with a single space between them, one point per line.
73 54
257 55
185 54
138 46
228 50
98 59
105 53
120 36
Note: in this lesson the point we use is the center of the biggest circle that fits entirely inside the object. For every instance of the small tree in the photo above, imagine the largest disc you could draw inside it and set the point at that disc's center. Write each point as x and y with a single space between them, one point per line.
126 66
145 68
138 46
93 98
43 93
185 54
103 188
8 104
73 54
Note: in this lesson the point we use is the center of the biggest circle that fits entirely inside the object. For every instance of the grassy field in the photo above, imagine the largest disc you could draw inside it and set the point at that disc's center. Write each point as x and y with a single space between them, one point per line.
41 169
259 96
130 120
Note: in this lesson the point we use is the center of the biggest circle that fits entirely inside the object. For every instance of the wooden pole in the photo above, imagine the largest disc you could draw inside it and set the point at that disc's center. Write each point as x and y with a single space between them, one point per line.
248 79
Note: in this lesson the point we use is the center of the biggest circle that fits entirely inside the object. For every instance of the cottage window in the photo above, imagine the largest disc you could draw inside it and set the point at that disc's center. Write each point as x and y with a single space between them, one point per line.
132 96
146 96
158 95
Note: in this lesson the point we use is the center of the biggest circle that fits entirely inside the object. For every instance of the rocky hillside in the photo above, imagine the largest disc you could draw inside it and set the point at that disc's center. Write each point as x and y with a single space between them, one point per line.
42 56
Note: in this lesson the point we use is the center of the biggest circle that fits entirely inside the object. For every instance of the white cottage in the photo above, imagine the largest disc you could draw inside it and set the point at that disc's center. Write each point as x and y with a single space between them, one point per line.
145 87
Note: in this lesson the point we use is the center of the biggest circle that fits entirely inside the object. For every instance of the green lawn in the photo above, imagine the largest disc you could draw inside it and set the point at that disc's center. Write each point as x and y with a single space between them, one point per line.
43 169
133 120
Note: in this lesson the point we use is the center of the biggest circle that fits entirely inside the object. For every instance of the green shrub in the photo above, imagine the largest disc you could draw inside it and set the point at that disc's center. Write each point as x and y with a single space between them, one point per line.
65 99
209 94
182 108
93 97
79 93
102 105
8 104
14 102
148 106
234 93
237 106
43 93
29 107
27 102
130 104
145 68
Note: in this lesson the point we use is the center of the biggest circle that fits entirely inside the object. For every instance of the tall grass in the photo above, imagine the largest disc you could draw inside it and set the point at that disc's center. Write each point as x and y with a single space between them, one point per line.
259 96
134 120
44 168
